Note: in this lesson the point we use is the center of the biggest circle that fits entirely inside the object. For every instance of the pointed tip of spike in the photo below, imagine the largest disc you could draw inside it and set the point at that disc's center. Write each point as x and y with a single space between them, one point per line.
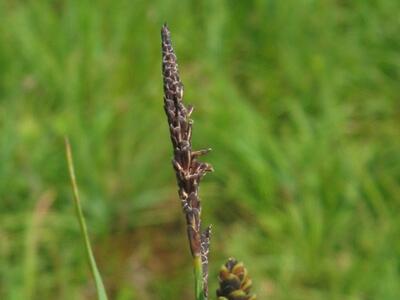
165 33
165 27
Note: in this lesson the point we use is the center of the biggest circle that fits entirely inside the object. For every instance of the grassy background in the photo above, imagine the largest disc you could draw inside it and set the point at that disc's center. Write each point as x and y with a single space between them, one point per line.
299 100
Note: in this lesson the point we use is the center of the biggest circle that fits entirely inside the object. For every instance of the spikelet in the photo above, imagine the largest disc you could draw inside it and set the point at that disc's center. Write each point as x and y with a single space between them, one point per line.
234 282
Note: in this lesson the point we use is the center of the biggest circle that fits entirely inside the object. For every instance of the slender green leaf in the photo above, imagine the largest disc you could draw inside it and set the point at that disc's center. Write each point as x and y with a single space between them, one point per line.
101 292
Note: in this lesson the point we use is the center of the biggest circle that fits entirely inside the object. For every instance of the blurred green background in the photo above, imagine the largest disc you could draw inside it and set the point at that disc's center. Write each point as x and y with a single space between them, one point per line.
299 99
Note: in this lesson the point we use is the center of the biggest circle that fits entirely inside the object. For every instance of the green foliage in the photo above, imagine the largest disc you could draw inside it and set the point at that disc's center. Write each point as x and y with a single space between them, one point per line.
298 99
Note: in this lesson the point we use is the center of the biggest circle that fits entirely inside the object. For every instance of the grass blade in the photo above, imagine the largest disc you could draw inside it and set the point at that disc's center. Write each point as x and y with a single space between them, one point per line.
101 292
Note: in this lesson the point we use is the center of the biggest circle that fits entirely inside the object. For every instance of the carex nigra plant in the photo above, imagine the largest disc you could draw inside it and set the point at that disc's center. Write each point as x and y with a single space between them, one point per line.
233 279
234 283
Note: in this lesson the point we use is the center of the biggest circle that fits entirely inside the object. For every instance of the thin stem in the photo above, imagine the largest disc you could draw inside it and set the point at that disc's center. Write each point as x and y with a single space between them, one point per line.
198 278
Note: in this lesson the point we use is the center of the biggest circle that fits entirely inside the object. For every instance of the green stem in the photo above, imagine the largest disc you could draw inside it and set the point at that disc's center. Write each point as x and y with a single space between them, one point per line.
198 278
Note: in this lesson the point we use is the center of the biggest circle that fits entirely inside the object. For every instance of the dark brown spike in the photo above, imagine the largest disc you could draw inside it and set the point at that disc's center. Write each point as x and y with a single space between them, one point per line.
188 170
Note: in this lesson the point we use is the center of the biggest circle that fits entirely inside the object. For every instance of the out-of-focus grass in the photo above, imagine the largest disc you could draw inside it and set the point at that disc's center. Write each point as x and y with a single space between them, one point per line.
298 99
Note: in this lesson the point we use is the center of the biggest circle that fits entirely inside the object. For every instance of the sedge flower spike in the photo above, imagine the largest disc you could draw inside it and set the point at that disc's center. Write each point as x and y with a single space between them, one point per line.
189 170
